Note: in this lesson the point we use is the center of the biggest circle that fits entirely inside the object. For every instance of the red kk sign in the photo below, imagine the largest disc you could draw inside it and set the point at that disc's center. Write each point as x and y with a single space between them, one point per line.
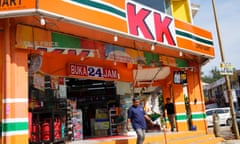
148 23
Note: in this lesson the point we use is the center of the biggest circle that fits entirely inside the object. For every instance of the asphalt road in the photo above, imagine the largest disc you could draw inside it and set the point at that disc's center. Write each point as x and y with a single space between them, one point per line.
225 132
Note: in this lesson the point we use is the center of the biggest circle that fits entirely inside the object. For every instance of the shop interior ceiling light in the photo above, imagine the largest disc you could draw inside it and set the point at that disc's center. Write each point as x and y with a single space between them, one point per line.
152 47
180 53
42 21
115 38
82 58
114 63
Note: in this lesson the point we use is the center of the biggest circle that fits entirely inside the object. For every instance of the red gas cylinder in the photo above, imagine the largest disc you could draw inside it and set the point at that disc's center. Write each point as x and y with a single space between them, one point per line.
34 133
45 129
57 129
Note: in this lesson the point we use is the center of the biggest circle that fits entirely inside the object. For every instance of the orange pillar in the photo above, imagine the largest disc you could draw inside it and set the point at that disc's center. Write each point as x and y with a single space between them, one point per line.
181 116
196 98
1 68
175 92
15 91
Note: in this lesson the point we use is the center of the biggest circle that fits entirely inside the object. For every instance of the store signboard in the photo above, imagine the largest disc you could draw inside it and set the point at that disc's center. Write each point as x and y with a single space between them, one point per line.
13 5
134 20
147 23
130 18
92 71
234 96
226 69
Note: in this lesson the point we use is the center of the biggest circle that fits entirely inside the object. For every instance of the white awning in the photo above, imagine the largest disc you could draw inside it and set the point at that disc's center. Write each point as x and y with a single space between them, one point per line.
149 75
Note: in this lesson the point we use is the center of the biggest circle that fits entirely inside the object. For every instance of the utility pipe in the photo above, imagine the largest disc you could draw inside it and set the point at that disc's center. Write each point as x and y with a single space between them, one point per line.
228 83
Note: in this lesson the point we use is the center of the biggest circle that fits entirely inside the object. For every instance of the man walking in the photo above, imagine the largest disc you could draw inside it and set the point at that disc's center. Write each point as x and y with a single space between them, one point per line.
137 116
169 106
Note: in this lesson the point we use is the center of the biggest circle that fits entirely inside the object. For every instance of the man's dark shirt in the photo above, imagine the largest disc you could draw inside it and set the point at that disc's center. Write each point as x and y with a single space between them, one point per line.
136 114
170 108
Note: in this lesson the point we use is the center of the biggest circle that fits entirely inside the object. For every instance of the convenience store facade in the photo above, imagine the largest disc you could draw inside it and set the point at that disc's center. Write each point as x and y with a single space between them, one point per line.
123 43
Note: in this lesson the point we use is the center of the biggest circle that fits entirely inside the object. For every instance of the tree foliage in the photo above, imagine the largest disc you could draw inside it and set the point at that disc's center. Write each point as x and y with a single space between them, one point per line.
214 75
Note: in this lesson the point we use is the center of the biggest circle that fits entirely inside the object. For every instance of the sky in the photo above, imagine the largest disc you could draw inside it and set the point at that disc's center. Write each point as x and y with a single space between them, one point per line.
229 25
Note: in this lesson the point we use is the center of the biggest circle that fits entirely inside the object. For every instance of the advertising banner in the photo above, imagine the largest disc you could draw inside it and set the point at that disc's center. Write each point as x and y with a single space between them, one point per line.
180 77
47 41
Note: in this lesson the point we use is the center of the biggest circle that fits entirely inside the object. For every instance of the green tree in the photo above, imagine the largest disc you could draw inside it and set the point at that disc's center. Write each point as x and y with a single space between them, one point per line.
214 75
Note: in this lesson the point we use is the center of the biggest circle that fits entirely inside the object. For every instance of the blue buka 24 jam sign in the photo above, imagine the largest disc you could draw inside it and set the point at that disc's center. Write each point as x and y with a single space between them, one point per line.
92 71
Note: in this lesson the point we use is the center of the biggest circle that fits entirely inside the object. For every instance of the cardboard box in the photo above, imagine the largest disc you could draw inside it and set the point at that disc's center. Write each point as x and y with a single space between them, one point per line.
101 132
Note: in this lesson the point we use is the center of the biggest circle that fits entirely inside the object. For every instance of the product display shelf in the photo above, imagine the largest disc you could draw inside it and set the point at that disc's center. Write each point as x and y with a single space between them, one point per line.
115 124
46 127
69 126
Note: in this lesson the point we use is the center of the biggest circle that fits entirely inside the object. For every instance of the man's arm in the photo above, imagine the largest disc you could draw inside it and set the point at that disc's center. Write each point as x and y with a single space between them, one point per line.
127 124
129 115
148 119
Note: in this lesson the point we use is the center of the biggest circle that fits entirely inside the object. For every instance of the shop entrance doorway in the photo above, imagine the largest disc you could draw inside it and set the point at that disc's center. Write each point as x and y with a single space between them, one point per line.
89 118
93 98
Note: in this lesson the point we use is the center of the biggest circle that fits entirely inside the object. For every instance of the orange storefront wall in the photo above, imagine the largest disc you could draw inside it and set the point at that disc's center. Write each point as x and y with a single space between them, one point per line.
1 69
14 88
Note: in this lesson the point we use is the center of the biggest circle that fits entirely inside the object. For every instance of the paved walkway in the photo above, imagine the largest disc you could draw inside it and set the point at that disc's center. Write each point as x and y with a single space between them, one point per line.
226 133
230 142
187 137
